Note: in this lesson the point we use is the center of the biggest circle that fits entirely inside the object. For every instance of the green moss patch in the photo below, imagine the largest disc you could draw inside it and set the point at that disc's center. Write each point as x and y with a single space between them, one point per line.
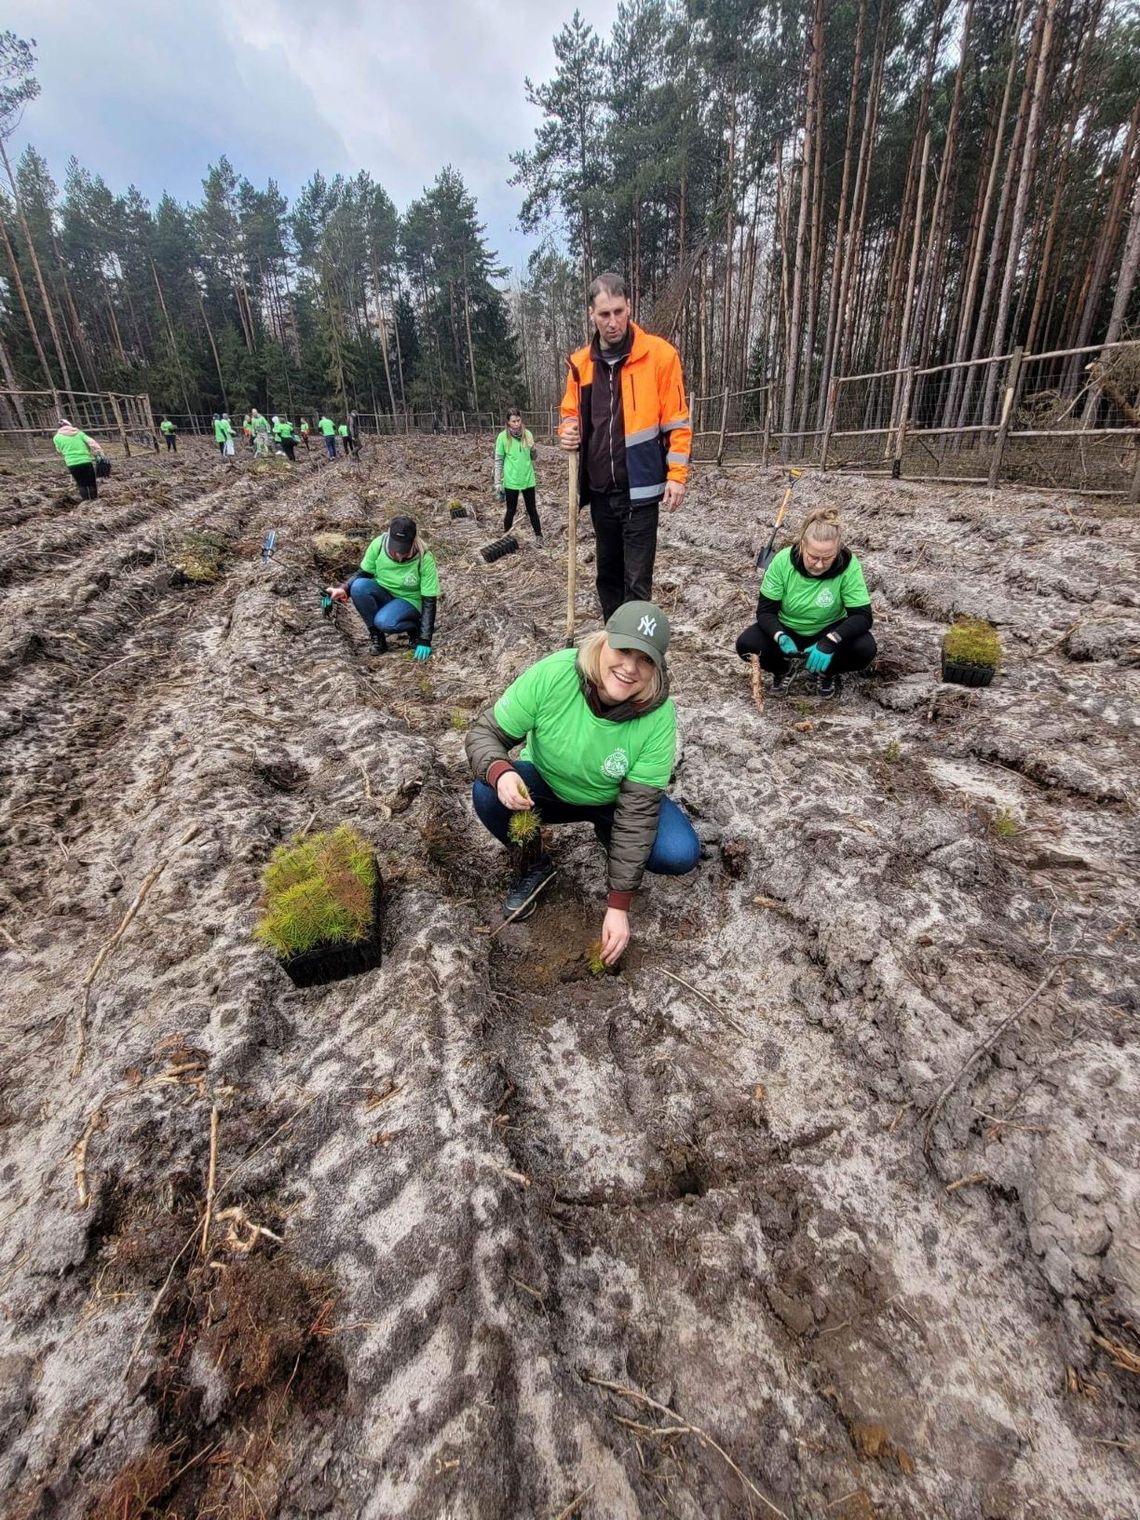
974 642
201 557
318 891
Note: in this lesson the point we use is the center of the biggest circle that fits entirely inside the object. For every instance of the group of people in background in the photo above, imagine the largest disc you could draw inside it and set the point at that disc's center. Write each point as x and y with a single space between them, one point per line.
596 724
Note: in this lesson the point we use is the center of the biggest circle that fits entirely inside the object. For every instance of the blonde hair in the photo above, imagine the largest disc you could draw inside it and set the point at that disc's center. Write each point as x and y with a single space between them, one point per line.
590 662
823 526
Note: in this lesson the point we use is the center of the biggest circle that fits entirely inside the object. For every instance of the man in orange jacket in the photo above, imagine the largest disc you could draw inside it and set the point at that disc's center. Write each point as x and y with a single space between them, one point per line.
625 413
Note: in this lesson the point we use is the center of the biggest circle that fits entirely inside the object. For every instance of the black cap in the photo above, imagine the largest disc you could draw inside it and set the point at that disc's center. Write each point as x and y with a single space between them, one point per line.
402 533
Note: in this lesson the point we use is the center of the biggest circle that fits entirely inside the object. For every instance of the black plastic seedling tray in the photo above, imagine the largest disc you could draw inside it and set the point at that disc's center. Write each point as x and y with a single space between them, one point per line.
332 963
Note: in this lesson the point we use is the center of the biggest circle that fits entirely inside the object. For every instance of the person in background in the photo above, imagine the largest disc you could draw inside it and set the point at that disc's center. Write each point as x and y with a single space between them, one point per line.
75 446
625 414
224 434
170 433
305 430
515 454
261 433
396 588
347 441
286 437
328 433
247 430
813 597
600 735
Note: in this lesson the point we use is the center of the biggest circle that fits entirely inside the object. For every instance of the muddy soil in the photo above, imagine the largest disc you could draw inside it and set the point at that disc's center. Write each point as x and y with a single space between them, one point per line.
827 1205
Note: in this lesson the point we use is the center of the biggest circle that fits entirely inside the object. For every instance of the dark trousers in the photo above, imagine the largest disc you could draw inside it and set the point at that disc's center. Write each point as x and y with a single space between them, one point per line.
852 654
349 445
171 442
288 444
305 441
626 548
85 479
330 445
513 506
380 609
676 849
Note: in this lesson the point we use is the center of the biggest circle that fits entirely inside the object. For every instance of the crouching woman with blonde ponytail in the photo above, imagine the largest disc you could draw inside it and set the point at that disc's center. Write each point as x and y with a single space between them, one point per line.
813 598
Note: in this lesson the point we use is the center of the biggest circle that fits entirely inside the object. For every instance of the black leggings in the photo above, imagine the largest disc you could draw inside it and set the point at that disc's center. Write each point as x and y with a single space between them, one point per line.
513 505
85 478
852 654
171 441
288 444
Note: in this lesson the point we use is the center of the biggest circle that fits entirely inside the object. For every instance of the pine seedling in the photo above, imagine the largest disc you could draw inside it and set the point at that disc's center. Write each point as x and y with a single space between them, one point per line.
318 890
594 962
892 752
1005 825
458 720
523 828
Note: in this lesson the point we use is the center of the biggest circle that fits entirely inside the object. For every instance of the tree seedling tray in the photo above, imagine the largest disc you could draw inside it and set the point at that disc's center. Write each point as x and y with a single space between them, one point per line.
498 548
322 907
971 652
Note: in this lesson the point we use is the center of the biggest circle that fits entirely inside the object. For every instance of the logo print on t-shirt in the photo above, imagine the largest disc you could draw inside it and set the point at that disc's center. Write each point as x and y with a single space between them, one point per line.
615 765
410 578
824 596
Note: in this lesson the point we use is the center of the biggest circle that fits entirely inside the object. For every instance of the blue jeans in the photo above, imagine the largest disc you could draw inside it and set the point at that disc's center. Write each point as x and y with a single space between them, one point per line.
675 851
380 609
330 446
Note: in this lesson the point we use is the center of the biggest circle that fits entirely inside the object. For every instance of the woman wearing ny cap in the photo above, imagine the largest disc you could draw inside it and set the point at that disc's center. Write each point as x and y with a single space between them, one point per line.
600 734
396 588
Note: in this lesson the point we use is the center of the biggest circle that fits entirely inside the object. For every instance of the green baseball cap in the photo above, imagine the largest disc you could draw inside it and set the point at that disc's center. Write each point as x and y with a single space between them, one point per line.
641 626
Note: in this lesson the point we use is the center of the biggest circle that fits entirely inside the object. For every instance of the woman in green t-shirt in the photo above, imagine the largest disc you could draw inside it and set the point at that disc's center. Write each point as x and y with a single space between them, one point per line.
813 598
396 588
600 734
514 472
75 447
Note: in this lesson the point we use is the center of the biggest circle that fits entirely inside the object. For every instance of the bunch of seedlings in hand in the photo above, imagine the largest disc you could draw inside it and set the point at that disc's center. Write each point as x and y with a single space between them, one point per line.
525 833
321 907
971 652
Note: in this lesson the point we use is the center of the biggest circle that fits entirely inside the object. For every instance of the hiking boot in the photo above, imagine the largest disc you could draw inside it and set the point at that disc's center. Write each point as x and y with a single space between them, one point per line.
829 686
377 641
527 886
780 683
538 543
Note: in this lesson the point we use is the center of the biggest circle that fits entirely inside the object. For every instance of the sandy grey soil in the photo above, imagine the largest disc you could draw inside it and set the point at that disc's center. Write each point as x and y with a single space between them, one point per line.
827 1205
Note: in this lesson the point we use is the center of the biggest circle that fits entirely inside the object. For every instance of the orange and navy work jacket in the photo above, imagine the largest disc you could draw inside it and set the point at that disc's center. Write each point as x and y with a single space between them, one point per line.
655 413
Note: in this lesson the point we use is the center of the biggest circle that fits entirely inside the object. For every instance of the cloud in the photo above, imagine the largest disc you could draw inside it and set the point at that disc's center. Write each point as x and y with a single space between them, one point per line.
151 95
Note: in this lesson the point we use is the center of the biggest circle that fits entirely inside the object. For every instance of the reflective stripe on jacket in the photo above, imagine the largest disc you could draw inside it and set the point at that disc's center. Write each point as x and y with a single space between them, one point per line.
658 436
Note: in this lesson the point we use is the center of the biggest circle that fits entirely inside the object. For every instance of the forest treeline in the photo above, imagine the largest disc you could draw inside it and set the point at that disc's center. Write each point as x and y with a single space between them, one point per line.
795 190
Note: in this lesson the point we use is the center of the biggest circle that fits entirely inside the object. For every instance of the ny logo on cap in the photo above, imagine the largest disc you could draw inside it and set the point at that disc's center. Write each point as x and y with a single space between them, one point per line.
647 626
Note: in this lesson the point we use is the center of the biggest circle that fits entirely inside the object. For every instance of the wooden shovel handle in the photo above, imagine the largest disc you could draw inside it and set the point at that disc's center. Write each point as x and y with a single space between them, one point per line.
571 543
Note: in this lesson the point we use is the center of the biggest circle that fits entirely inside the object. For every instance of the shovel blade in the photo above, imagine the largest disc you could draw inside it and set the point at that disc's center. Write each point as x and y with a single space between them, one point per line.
765 558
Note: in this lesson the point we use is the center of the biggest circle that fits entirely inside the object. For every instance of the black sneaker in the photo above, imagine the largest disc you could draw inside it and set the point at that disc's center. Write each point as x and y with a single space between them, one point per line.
538 543
780 683
527 887
829 686
378 642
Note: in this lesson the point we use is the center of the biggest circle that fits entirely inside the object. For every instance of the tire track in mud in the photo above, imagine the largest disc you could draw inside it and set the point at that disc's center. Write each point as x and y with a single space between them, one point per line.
727 1209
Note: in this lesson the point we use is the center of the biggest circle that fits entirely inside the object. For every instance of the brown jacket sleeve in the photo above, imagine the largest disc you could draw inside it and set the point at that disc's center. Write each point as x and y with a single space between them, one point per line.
631 840
488 747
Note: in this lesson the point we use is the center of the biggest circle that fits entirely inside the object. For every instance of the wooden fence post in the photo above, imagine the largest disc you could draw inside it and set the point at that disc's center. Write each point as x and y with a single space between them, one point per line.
145 398
903 424
1013 375
1134 493
828 422
723 425
119 424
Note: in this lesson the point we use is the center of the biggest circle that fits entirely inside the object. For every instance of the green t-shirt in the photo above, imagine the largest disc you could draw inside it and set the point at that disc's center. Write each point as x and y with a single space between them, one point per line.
411 579
166 427
222 430
584 758
304 428
343 430
75 448
327 427
285 430
518 466
259 424
811 602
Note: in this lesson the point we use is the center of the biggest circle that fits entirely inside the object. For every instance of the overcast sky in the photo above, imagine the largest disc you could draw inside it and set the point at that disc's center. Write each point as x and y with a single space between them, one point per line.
150 93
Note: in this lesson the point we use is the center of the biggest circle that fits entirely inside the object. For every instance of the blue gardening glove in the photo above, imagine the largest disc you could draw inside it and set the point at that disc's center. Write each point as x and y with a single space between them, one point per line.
818 659
423 652
501 494
786 643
